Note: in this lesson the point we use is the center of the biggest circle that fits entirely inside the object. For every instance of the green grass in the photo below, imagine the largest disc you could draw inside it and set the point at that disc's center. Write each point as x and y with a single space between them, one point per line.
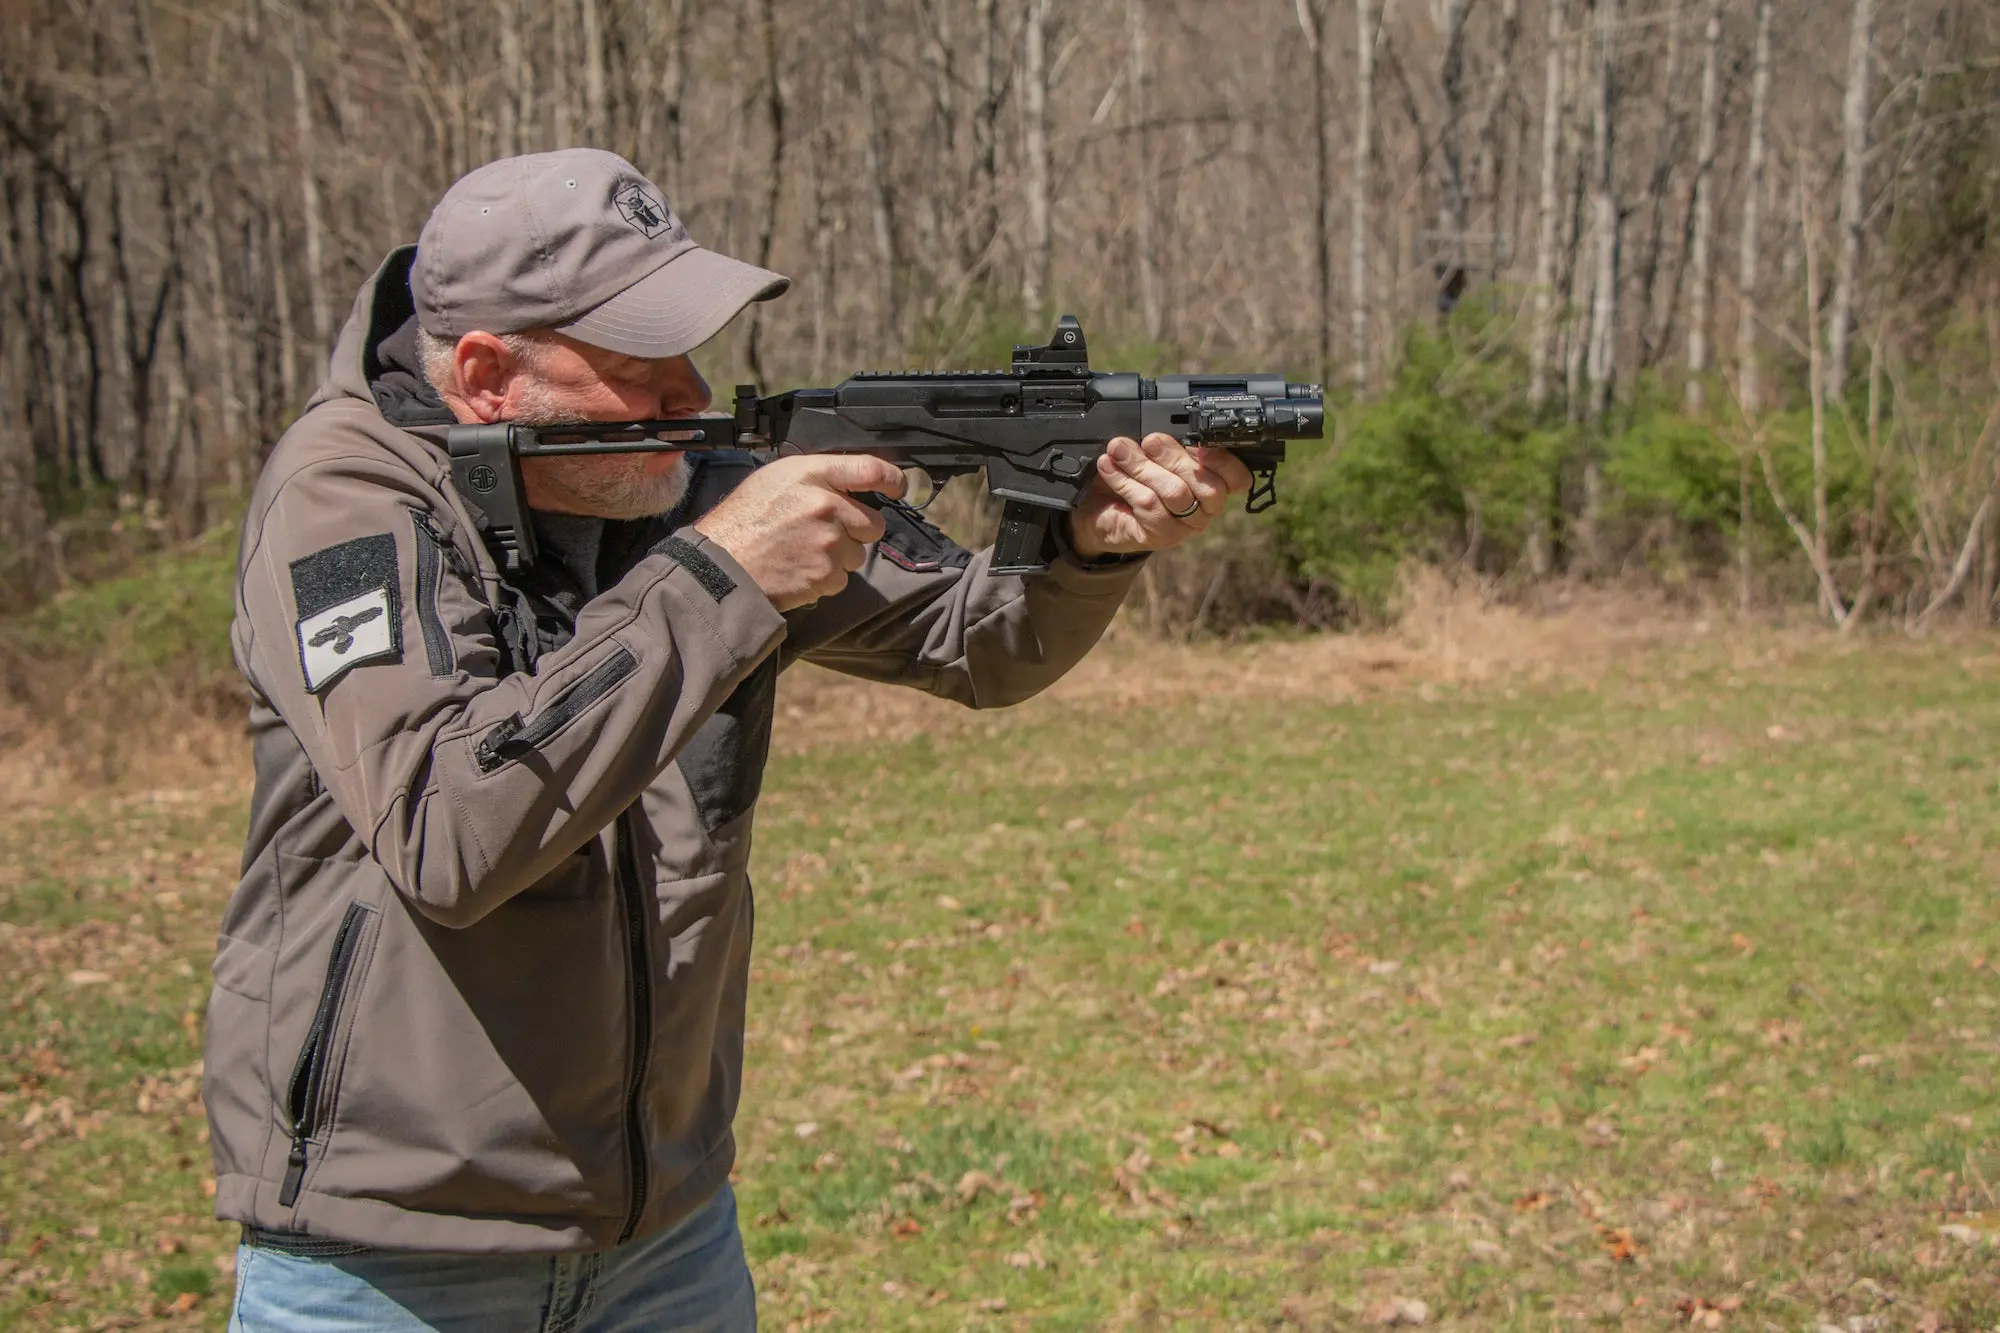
1546 1005
164 622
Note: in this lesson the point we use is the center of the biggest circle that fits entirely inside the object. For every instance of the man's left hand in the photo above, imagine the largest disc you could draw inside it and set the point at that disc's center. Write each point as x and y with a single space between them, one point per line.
1153 494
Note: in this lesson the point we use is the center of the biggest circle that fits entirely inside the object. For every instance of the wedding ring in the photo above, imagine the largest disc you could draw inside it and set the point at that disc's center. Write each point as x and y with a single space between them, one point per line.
1192 509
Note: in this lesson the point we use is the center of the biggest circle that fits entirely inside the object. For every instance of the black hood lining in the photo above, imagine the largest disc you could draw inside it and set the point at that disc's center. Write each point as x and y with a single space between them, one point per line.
390 361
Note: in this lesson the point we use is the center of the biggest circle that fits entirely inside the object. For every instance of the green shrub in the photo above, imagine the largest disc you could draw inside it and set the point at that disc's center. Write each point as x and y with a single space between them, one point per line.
1447 466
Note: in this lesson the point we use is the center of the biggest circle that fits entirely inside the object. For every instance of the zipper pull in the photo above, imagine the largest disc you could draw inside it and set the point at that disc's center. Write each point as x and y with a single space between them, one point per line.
491 752
295 1173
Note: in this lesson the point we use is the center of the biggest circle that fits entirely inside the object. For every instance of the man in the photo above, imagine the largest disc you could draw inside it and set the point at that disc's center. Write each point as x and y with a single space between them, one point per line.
476 1035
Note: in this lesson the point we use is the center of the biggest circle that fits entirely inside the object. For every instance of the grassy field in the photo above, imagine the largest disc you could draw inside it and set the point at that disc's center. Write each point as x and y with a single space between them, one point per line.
1651 993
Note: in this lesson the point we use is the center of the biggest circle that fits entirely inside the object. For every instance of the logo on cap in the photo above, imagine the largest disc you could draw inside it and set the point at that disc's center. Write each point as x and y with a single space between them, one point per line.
648 216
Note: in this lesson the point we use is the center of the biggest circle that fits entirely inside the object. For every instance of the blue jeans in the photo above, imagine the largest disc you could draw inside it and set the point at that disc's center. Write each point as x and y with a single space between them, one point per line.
692 1276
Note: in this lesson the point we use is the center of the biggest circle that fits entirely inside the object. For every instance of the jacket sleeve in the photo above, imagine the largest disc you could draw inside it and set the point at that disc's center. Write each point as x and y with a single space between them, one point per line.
467 785
925 613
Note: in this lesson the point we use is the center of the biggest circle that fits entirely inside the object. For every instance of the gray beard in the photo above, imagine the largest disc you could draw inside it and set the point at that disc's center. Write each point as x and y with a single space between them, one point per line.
615 486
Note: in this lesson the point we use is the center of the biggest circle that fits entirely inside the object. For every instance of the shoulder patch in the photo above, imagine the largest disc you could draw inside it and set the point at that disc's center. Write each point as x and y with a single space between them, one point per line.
350 608
910 541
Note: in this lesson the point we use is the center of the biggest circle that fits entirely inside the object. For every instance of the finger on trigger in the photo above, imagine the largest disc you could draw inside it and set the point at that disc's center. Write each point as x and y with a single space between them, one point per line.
861 472
862 522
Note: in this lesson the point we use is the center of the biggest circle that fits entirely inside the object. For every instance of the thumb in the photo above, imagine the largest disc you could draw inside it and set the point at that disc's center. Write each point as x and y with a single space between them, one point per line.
858 472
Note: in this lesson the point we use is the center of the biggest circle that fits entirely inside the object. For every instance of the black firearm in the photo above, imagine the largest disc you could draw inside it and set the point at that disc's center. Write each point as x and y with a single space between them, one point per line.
1037 429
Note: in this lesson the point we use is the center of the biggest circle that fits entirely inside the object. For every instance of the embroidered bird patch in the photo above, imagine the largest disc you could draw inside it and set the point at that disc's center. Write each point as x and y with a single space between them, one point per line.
349 606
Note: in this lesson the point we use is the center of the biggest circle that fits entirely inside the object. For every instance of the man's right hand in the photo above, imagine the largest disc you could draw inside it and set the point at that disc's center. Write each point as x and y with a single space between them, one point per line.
795 526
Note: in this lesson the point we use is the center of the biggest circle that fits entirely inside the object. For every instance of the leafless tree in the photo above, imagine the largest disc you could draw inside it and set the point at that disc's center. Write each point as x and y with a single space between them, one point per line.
1853 175
1701 242
190 192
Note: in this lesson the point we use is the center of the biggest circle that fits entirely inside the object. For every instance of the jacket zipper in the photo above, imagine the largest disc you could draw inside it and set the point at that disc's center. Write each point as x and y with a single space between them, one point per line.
430 571
514 738
630 893
307 1087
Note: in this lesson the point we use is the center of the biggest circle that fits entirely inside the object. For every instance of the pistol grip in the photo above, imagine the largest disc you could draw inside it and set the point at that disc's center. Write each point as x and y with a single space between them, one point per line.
1024 544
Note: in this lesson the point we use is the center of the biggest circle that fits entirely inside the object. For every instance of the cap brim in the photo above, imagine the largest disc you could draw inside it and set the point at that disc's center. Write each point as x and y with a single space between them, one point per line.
677 307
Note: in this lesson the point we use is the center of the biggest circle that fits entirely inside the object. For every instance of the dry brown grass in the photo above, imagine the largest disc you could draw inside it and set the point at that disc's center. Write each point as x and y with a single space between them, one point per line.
1445 634
72 743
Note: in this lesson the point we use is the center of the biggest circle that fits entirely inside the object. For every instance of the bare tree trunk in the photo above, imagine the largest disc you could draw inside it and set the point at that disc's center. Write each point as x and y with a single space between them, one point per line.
1312 23
524 102
1854 162
1746 517
1140 80
774 175
1749 266
658 133
562 121
1450 267
1035 148
1656 312
1816 384
1542 339
512 118
986 140
1702 244
594 127
875 154
823 164
1491 162
318 301
1601 365
1366 27
281 300
1577 275
222 332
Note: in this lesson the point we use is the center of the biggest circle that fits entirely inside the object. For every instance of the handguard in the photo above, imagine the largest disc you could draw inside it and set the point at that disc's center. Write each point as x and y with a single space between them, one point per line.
1037 429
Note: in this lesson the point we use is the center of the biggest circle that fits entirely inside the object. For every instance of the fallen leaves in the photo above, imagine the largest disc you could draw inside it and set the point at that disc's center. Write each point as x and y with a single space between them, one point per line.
1392 1310
973 1183
1033 1255
1619 1243
1973 1230
1642 1059
1783 1031
1699 1312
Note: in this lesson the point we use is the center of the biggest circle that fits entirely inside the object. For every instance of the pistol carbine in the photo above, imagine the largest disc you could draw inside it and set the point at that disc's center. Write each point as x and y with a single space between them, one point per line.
1036 428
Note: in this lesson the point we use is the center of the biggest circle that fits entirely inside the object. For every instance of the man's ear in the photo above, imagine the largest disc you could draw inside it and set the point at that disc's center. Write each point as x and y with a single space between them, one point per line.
485 369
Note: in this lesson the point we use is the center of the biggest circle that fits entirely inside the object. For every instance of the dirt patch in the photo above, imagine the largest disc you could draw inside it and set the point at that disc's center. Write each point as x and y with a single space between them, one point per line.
1446 635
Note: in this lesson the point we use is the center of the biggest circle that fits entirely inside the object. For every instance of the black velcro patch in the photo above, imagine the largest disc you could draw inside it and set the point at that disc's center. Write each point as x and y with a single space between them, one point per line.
330 577
911 542
711 576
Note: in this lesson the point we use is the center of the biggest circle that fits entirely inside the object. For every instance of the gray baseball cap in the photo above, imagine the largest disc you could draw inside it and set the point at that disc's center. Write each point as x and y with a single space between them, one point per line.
580 242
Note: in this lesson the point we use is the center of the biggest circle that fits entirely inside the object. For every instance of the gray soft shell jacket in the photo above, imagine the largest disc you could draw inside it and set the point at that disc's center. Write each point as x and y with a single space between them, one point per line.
482 986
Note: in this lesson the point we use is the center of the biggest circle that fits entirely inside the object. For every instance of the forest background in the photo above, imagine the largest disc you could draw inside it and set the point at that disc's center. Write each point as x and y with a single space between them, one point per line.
1701 295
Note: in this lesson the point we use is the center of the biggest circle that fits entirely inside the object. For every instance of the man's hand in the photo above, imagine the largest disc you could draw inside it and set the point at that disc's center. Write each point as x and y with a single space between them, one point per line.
1153 495
795 526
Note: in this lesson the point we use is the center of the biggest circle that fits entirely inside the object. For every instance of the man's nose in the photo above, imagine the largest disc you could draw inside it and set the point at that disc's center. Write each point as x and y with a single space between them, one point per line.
685 392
